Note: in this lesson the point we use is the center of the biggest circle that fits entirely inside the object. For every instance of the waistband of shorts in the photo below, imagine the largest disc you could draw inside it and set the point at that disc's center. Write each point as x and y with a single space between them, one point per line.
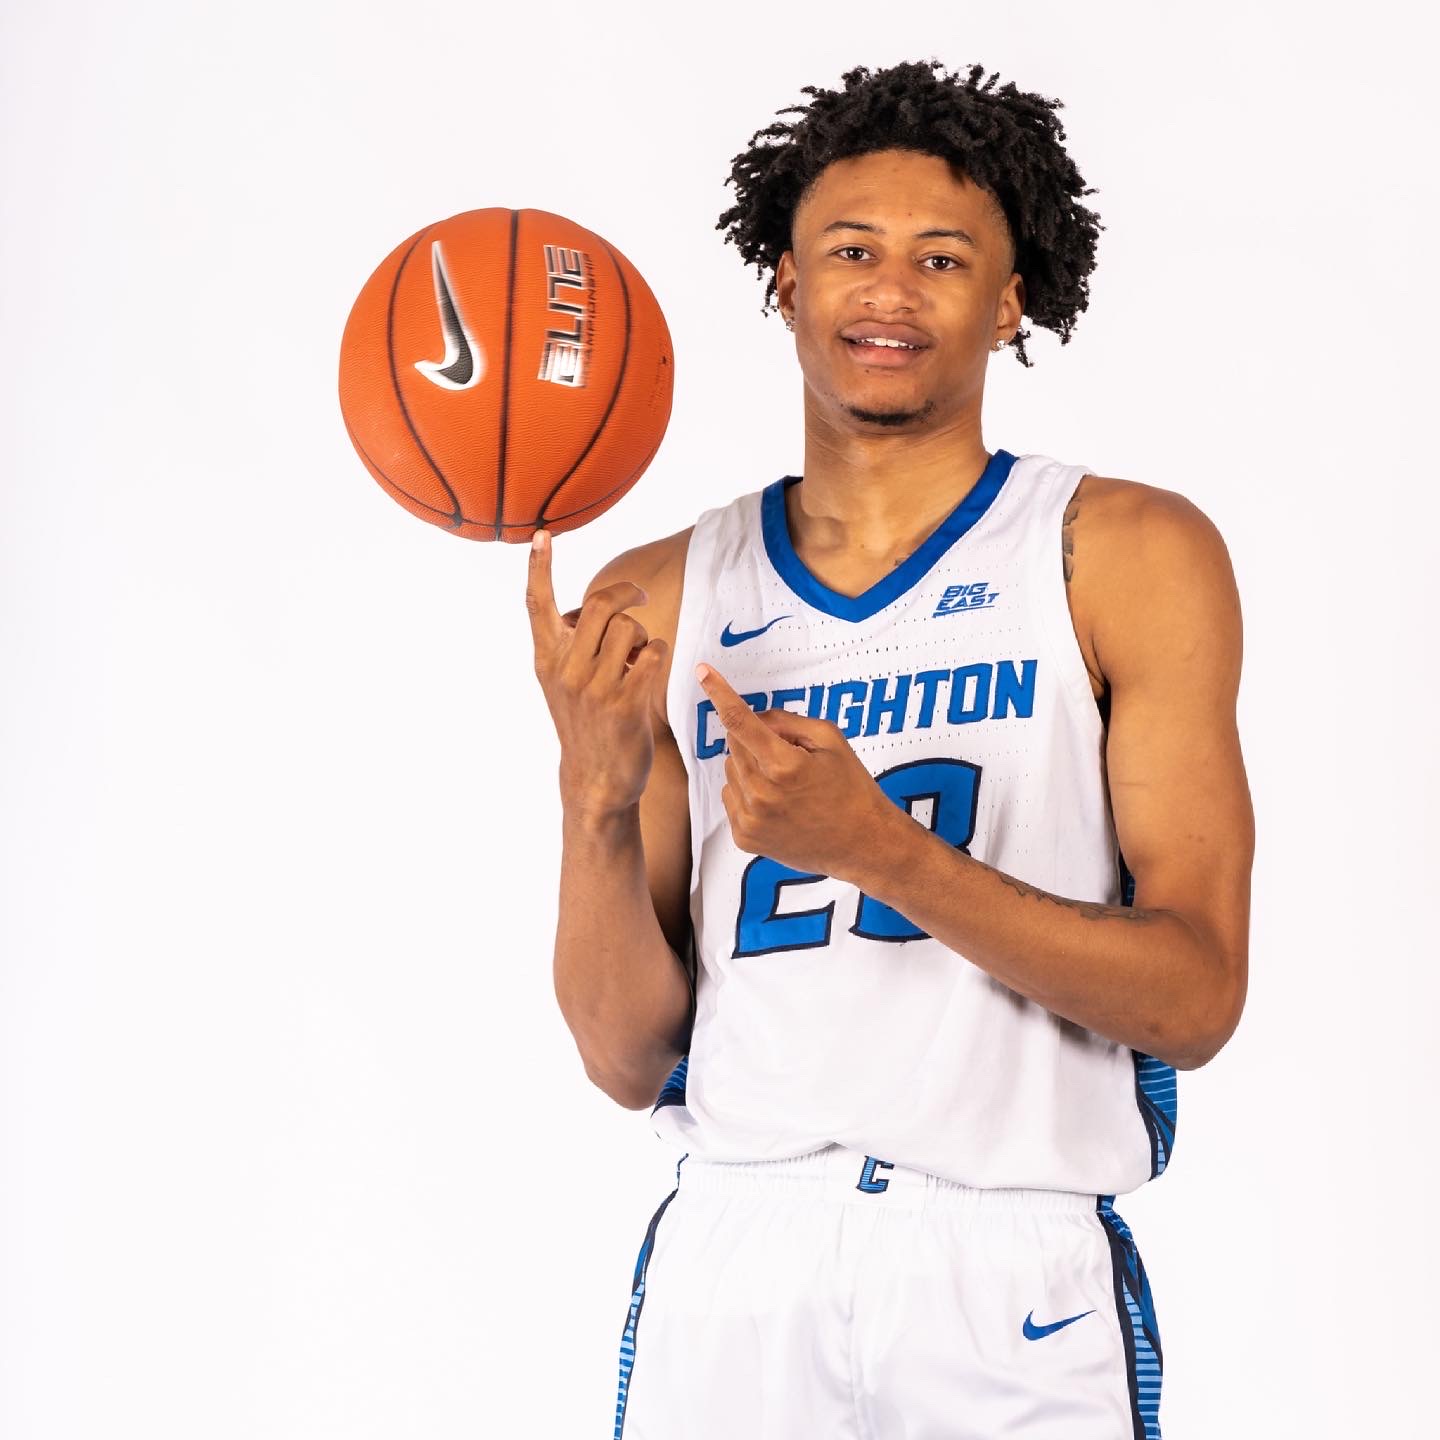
842 1174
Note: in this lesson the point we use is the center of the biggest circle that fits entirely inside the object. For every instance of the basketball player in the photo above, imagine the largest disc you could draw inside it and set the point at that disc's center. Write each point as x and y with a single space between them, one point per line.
906 832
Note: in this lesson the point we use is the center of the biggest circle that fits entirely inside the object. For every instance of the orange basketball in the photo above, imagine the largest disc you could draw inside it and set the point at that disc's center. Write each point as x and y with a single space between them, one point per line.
505 370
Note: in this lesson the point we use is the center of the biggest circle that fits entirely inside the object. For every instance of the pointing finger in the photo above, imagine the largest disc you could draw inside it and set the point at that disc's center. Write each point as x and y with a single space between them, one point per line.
742 724
546 626
808 732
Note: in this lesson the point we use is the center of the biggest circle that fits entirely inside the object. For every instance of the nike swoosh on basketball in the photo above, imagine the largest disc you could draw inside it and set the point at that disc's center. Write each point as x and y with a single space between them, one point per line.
1032 1331
464 361
738 637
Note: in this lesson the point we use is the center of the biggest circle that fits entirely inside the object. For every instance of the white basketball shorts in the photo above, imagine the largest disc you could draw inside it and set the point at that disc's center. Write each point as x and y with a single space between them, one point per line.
835 1296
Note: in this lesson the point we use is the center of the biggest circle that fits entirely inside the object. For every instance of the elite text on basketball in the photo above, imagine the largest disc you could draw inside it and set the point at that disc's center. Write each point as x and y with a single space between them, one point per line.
562 361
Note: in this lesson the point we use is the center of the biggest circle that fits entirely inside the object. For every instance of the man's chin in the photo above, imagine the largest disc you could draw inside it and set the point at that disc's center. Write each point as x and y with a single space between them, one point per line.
891 419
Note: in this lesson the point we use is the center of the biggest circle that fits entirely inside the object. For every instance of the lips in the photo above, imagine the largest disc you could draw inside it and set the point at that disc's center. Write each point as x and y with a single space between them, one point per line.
903 345
901 338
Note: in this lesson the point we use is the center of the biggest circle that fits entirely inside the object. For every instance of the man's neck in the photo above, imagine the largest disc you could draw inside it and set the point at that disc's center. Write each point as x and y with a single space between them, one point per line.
876 493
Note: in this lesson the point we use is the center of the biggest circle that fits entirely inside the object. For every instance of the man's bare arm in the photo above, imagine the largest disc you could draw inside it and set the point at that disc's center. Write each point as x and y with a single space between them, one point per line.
1168 975
622 976
622 945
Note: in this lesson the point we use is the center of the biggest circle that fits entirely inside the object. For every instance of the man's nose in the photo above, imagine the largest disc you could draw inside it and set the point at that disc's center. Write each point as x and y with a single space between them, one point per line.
891 287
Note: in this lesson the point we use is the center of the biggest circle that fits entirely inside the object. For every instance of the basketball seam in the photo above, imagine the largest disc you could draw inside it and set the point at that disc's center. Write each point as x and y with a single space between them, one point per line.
460 520
465 519
395 378
399 489
614 394
505 382
542 521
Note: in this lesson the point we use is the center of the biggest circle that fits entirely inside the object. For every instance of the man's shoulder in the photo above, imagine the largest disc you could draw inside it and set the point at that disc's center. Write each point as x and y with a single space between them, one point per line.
1128 548
1123 508
1136 531
658 565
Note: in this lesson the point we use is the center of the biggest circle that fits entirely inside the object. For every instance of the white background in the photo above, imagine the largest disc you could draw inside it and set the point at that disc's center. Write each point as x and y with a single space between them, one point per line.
295 1141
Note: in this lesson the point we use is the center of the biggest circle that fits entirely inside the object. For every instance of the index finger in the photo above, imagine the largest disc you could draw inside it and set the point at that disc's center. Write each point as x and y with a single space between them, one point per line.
740 721
545 621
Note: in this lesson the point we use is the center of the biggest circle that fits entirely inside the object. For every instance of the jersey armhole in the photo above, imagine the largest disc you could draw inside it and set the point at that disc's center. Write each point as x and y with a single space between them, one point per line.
1052 601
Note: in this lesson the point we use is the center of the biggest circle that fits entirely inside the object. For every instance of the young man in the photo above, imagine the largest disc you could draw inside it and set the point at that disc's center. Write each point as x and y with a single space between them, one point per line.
906 830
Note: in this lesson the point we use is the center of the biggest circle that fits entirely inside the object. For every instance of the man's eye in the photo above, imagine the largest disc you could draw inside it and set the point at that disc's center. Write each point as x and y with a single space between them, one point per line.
852 250
950 263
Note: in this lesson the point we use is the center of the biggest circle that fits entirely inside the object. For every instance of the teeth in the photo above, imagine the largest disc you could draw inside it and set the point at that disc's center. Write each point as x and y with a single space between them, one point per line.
891 344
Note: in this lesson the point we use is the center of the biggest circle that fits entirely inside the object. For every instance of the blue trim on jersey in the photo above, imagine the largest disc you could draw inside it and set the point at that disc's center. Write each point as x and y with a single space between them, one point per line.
1135 1307
637 1303
672 1092
914 568
1158 1099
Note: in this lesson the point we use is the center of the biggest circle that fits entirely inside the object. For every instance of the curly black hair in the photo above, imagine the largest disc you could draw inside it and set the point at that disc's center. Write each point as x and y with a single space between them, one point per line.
1005 140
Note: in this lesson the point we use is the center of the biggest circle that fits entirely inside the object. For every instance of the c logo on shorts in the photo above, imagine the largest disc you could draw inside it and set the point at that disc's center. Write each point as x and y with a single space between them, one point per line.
868 1183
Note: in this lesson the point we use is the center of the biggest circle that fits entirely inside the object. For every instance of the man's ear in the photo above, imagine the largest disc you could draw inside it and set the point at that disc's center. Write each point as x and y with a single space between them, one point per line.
785 283
1012 303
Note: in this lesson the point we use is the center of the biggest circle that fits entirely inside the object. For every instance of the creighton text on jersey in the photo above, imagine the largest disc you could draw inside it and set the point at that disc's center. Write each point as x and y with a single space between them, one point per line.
989 690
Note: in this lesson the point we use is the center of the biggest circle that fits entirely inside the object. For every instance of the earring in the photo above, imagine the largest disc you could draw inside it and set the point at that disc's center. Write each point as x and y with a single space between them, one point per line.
999 345
789 322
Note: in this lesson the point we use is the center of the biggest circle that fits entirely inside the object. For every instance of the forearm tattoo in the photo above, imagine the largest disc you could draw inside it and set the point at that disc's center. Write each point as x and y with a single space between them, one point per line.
1087 908
1067 538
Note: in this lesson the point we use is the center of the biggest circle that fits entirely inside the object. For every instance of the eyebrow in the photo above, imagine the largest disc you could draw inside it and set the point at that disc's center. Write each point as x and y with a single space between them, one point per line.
963 236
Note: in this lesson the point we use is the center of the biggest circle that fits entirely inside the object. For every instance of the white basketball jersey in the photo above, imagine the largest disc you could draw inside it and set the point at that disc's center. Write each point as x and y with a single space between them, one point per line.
823 1015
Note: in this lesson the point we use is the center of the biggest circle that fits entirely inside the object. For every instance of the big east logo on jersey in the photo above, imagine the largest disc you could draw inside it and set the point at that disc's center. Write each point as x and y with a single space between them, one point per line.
966 597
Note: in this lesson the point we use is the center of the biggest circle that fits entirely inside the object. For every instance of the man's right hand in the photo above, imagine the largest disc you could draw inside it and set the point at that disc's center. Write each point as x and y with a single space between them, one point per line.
598 669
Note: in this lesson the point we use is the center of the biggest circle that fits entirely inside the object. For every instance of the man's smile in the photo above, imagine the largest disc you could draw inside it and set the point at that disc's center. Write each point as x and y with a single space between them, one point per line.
885 345
885 354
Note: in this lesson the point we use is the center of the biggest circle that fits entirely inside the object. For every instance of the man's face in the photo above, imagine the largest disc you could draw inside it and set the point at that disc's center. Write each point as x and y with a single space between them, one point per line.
896 246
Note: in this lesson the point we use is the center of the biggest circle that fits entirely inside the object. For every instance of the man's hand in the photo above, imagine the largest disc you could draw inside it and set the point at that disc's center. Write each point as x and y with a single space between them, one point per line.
598 669
796 791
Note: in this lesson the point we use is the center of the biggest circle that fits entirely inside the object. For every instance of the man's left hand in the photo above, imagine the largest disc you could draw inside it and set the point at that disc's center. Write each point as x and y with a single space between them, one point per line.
795 789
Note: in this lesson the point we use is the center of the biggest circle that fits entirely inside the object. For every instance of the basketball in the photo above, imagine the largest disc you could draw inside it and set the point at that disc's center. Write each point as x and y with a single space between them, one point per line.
506 370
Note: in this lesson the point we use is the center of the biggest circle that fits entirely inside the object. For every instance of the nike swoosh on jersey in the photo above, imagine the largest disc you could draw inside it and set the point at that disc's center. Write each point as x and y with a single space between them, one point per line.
738 637
1033 1331
464 361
